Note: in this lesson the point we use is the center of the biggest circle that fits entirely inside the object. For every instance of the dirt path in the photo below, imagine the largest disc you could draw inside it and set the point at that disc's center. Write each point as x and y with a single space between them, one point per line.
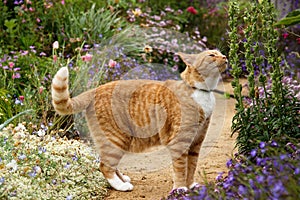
151 173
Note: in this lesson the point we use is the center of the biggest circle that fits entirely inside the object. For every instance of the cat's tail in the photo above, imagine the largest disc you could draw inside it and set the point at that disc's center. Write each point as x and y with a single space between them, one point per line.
61 100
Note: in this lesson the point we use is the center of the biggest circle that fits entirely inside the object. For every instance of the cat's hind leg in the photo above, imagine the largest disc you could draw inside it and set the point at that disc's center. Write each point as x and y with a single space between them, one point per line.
113 177
110 158
123 177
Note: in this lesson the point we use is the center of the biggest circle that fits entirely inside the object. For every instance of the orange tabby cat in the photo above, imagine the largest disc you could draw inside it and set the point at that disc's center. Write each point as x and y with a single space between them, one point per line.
133 115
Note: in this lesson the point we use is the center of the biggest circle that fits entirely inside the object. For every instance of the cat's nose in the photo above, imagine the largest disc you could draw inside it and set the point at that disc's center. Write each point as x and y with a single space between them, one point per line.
225 58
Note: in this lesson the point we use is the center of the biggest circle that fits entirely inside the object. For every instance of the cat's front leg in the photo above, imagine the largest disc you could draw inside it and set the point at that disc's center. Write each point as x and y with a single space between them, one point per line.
193 155
180 172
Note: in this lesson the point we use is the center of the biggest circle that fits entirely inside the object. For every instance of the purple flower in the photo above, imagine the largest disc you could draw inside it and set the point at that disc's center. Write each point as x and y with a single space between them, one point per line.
260 179
220 176
292 146
242 190
202 193
278 189
252 183
253 153
41 150
17 101
69 197
32 174
74 158
229 163
262 145
67 166
16 75
2 179
274 144
22 156
283 156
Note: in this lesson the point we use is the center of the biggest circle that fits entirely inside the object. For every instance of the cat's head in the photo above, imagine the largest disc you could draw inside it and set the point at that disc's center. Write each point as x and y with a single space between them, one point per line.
207 65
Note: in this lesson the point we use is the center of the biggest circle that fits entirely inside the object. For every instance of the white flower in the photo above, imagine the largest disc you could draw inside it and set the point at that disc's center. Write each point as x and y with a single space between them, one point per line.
37 169
12 165
20 127
55 45
41 133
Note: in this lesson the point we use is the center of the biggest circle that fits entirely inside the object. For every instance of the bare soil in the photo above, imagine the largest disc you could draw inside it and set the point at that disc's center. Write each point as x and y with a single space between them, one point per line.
151 173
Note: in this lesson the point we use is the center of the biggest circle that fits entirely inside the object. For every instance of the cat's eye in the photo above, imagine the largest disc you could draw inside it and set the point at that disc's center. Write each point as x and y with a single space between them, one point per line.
212 55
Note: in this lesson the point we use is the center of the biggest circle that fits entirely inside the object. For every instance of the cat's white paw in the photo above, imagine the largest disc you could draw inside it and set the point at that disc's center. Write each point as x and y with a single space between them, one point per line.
184 189
118 184
126 178
123 187
123 177
195 184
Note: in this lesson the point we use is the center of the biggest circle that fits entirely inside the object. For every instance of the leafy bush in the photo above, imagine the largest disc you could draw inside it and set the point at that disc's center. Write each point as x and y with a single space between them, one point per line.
275 113
91 26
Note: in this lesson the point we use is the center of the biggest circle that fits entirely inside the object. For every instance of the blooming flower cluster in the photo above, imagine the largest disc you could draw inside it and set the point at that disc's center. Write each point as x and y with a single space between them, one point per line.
270 171
47 167
292 85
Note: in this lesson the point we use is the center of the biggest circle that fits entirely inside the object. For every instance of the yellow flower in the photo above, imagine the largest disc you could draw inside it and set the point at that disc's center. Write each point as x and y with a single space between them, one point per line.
148 49
137 12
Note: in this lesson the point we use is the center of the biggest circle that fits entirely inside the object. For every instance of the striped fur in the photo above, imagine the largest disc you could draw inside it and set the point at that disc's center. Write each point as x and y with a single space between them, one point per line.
134 115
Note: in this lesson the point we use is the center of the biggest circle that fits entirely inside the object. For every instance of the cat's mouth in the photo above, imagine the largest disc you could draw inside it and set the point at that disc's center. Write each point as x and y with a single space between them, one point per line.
223 66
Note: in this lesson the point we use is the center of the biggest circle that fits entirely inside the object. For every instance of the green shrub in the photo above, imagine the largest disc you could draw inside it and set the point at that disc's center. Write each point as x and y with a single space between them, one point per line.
272 110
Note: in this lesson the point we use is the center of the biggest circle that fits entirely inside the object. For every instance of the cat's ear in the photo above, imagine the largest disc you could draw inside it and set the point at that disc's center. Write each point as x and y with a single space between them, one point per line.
188 59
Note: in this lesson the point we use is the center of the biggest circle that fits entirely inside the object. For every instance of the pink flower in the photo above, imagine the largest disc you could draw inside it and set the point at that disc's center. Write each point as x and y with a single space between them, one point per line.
17 75
54 58
63 2
285 35
43 54
38 20
21 98
87 57
11 64
192 10
112 63
41 89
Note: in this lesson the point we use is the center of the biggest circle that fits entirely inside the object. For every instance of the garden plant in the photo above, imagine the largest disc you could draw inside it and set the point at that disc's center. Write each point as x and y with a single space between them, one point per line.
102 41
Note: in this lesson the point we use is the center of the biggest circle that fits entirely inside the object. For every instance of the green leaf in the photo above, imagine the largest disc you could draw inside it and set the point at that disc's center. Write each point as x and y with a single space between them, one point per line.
291 19
293 13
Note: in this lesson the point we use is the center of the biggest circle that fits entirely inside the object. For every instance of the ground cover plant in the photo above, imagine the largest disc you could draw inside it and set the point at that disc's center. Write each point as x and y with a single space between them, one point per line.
271 171
106 40
33 162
